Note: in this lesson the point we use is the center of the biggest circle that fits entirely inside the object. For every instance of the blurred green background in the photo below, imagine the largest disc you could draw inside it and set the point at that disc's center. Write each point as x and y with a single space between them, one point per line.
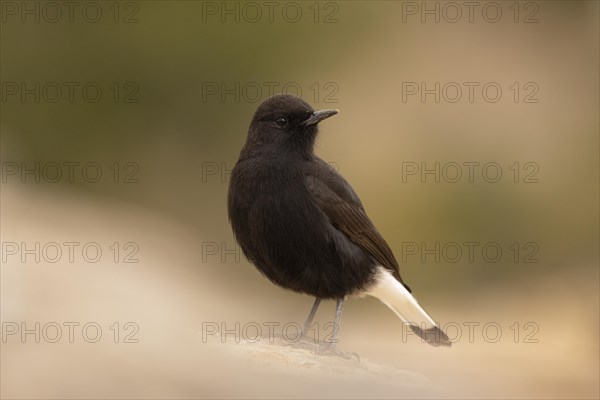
186 77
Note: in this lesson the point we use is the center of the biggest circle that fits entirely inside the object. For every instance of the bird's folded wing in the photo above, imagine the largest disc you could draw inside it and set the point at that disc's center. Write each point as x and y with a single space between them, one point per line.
351 219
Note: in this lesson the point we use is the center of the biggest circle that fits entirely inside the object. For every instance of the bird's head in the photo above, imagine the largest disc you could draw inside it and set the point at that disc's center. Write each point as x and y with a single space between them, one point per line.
286 122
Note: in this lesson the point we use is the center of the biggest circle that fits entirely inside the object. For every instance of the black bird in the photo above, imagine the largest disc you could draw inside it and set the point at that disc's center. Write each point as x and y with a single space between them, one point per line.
303 226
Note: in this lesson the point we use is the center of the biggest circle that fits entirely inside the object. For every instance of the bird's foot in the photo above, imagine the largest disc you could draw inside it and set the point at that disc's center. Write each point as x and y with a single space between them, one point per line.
322 348
309 343
329 349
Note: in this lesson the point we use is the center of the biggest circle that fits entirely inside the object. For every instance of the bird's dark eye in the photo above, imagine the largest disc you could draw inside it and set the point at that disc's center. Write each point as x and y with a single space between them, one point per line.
281 121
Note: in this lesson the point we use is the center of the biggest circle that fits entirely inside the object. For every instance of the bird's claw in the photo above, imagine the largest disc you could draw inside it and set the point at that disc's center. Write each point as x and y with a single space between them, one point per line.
322 348
329 349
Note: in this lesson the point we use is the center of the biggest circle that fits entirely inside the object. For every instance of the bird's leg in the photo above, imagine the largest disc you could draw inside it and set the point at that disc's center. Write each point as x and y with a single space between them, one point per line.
336 323
329 347
311 316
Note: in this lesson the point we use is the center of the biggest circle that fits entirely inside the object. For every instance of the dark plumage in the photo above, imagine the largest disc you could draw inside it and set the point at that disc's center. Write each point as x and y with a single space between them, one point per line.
294 216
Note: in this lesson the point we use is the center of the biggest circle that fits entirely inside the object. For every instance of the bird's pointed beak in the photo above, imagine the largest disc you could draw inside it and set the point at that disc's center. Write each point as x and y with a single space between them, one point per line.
319 116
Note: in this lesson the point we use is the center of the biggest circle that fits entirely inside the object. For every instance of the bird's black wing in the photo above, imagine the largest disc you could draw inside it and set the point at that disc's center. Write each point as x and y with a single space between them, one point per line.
336 198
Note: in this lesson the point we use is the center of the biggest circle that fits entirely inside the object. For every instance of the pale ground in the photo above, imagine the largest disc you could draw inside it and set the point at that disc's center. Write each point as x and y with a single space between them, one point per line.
169 294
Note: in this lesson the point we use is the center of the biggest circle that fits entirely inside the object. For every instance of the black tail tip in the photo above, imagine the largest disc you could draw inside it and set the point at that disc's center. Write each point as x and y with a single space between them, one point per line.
434 336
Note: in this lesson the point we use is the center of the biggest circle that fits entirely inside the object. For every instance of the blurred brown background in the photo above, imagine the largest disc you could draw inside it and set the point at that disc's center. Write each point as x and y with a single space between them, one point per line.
156 96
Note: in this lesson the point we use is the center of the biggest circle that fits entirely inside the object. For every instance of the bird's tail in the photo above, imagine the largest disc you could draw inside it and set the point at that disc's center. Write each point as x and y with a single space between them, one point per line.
394 295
